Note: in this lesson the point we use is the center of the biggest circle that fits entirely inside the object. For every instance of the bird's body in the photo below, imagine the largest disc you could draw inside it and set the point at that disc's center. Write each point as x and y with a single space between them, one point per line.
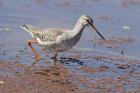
56 40
59 40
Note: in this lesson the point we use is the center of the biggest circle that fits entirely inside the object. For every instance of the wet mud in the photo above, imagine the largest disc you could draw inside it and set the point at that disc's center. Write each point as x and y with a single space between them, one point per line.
114 42
16 77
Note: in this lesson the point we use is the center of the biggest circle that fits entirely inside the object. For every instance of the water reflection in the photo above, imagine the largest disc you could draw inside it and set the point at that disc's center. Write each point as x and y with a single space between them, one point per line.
68 60
56 78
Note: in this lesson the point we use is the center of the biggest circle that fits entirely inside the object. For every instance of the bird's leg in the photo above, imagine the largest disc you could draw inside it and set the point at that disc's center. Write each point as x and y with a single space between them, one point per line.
54 59
37 56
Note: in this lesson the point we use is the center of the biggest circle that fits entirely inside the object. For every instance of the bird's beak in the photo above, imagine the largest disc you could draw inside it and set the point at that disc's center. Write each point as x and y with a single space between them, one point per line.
96 30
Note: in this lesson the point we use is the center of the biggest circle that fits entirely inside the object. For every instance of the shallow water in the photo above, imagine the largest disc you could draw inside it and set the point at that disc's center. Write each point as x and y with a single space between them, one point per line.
109 16
114 19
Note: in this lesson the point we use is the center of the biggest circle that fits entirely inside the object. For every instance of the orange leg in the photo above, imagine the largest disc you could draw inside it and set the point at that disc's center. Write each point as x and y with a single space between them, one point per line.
37 56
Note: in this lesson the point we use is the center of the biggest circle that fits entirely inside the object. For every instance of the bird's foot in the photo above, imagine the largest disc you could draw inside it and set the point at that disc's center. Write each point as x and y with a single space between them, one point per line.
37 57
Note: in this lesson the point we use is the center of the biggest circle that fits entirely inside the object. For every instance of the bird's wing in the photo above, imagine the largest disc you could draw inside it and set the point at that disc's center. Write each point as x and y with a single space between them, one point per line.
53 31
44 36
48 36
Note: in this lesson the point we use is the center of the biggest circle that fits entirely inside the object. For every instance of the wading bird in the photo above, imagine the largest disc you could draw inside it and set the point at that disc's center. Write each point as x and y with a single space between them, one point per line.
58 40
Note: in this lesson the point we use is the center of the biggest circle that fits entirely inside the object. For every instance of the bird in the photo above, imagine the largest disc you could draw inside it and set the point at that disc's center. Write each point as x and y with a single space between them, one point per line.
58 40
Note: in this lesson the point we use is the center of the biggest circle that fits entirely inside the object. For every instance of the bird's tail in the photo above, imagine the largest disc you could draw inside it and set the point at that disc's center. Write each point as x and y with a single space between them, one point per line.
29 28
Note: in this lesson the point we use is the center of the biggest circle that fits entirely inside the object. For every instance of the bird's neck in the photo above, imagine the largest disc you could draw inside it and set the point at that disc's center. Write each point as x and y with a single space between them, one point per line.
79 27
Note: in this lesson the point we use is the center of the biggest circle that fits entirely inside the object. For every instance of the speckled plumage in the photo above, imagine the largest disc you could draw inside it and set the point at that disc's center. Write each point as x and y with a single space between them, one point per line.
59 40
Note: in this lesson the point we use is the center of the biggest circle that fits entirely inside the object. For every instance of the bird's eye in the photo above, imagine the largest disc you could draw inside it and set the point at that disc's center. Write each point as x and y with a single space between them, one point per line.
87 19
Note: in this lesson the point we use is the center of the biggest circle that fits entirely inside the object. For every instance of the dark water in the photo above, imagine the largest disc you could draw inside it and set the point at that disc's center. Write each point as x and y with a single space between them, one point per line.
110 17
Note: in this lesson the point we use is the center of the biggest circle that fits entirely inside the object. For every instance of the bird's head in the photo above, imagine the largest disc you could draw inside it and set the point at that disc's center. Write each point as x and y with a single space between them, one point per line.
84 20
88 21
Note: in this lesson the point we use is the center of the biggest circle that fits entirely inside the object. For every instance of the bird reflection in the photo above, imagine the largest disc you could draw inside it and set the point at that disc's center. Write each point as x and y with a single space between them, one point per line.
57 73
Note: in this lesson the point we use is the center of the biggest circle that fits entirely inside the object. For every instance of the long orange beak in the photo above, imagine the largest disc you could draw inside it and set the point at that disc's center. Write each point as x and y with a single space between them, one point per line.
96 30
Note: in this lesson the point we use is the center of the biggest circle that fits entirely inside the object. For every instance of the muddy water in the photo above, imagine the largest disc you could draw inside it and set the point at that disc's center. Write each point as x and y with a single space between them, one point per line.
118 21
